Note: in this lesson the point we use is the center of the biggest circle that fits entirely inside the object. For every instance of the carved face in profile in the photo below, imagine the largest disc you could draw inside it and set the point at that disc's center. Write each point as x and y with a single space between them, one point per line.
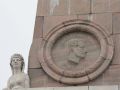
76 50
17 62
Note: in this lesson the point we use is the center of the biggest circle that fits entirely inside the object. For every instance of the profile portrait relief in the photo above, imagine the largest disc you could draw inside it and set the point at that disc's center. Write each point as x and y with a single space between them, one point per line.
76 50
18 79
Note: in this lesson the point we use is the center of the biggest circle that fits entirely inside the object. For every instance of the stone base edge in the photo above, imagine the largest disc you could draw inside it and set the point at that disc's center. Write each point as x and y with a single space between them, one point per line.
110 87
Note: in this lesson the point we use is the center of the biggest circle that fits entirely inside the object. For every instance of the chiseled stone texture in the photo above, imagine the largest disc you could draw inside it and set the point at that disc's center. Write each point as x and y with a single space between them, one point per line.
104 13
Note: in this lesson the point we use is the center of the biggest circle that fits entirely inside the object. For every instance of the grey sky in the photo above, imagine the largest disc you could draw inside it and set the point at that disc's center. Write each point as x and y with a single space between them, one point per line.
17 18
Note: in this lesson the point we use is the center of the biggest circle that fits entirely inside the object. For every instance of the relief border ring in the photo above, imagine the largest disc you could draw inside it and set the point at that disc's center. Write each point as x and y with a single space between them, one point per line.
66 76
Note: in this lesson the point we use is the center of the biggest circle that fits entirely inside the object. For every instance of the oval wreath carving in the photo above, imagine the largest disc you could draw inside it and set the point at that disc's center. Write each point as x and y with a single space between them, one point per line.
79 37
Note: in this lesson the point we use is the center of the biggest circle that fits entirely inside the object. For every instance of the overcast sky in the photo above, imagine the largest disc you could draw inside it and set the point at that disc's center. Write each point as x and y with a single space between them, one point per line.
17 18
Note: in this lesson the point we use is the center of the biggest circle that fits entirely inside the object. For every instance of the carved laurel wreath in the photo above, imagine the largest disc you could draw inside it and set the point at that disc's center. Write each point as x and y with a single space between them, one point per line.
91 72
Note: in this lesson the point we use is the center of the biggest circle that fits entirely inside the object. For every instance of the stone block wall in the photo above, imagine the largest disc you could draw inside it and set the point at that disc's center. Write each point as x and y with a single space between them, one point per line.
50 13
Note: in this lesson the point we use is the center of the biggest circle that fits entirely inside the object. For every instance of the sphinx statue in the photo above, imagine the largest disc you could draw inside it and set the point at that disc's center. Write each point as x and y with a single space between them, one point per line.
19 79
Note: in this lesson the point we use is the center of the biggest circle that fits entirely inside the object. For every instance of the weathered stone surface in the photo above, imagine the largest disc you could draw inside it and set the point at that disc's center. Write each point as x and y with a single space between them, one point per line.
83 17
104 6
111 76
42 8
100 70
115 5
116 58
52 7
78 7
113 71
35 73
38 30
40 79
37 77
104 20
33 54
97 81
103 87
63 7
100 6
116 21
58 7
52 21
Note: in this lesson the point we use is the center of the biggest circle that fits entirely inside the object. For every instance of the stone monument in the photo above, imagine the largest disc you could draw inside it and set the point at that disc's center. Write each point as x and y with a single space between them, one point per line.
76 45
75 42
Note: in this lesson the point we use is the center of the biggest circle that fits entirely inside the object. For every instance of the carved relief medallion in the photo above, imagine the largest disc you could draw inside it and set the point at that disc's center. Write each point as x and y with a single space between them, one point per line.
76 52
